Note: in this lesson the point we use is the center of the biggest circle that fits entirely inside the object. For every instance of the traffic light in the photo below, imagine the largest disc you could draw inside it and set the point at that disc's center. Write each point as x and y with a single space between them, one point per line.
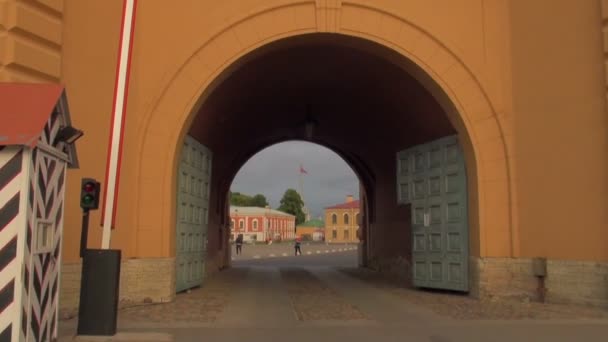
89 194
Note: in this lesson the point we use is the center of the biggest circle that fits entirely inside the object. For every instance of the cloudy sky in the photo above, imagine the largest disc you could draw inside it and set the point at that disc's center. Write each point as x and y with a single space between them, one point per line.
276 169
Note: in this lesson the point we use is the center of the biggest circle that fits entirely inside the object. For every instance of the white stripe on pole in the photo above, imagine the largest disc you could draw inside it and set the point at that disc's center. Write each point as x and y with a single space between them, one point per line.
118 118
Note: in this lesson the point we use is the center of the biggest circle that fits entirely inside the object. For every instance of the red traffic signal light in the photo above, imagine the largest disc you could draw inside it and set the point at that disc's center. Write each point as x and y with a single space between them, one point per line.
89 194
89 187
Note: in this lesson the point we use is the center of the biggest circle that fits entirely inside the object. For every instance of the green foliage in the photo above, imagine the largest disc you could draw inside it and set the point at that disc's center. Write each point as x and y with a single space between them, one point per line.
292 203
242 200
259 200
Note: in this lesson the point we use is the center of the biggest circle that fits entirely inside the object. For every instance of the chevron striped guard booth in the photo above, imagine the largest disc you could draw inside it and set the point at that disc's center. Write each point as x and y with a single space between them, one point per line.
33 162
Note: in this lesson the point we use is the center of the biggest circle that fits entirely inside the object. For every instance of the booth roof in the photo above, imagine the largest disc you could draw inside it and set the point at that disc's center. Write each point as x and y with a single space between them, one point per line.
24 110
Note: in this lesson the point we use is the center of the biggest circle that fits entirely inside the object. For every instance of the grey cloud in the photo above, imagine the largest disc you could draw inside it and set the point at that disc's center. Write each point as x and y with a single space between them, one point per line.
275 169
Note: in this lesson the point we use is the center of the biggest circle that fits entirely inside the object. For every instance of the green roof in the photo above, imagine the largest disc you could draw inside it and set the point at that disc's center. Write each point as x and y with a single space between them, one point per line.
313 223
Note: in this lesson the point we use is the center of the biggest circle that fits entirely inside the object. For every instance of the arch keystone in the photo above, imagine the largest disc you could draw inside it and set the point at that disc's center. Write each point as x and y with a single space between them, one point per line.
328 15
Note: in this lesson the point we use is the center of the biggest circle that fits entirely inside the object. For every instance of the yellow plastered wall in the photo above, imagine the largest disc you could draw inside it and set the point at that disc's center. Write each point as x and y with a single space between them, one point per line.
519 121
561 128
341 226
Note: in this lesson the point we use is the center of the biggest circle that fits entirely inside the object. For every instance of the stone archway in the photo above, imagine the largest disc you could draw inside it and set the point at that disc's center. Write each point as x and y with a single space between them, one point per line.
430 61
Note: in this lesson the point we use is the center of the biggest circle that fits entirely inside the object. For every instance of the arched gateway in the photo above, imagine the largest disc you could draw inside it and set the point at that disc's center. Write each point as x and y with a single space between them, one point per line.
435 64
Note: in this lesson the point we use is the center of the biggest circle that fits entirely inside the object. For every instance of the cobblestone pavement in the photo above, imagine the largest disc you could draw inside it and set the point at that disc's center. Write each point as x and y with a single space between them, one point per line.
270 302
459 306
199 305
314 300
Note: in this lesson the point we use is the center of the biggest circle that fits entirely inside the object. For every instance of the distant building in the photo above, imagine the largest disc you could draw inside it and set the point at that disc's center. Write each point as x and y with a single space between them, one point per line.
311 230
342 221
261 224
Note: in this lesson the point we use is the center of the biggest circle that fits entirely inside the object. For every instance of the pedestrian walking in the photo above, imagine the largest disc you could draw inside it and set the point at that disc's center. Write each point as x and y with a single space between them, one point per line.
297 247
239 244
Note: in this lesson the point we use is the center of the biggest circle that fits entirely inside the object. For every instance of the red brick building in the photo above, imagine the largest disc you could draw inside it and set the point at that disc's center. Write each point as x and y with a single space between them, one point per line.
260 224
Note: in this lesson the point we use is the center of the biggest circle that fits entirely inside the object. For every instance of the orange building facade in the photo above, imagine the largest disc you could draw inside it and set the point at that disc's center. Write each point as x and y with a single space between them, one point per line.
521 85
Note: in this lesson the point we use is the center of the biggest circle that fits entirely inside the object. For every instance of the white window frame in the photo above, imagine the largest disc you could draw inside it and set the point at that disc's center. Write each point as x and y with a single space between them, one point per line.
255 225
48 247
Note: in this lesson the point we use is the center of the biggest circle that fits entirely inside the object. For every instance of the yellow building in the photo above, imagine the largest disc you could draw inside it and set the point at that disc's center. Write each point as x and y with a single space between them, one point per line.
342 222
477 130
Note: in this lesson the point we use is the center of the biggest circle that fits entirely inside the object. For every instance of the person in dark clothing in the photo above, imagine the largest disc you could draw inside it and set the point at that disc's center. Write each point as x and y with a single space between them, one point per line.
297 247
239 244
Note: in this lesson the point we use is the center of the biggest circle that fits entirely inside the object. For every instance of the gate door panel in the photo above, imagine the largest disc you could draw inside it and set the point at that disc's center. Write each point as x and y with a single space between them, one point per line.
432 179
192 214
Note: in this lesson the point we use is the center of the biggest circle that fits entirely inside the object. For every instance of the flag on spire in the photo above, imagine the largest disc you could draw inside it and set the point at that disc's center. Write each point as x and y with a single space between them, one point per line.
302 170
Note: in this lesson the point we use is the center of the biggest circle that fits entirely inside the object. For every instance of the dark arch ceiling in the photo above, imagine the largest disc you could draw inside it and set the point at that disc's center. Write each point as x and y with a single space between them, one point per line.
366 108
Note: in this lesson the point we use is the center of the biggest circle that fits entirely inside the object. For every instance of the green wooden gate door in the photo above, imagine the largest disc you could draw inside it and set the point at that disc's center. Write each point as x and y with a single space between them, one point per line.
192 214
432 179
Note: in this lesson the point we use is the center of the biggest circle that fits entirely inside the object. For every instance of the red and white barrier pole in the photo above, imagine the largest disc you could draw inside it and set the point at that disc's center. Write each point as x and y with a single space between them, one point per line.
121 88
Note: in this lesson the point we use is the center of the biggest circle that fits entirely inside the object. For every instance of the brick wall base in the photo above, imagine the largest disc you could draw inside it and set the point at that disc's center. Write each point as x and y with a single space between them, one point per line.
567 282
141 280
150 280
146 280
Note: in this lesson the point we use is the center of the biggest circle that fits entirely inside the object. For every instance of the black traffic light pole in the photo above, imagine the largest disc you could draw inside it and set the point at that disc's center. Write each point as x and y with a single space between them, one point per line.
84 235
100 280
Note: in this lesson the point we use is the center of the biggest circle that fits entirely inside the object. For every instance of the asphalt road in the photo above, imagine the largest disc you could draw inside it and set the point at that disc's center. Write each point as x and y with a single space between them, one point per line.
334 259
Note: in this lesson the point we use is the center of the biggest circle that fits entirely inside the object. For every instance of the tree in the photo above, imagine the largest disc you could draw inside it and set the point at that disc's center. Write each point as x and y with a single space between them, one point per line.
242 200
292 203
238 199
259 200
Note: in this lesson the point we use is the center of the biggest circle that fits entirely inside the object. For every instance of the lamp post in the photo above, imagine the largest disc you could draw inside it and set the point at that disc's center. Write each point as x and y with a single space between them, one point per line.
236 223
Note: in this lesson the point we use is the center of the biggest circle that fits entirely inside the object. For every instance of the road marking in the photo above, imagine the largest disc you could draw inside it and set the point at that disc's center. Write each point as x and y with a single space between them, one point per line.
256 256
318 252
284 254
340 249
326 251
272 255
308 253
232 258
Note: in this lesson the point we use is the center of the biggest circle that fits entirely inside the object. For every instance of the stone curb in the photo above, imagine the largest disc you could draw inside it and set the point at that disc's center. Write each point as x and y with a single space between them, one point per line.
123 337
